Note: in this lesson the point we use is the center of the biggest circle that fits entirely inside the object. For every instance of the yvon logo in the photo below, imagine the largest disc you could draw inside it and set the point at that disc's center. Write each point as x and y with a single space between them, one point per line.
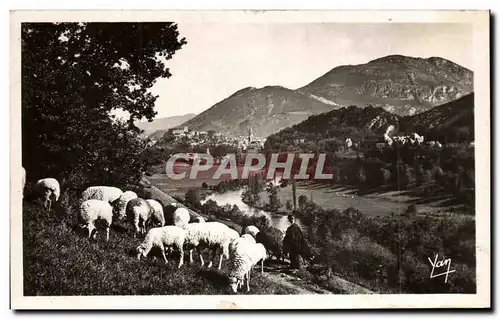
440 264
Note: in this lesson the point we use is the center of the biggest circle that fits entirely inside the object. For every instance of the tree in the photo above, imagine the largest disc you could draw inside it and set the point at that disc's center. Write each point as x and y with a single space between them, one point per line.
302 201
411 210
406 178
385 176
192 198
274 200
168 138
360 175
74 75
419 175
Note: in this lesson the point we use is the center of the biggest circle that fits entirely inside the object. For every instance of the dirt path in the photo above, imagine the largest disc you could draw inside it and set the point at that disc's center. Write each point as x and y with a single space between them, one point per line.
279 274
301 287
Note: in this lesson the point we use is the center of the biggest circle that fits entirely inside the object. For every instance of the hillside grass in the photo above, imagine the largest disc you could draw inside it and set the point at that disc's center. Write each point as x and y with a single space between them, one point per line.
58 260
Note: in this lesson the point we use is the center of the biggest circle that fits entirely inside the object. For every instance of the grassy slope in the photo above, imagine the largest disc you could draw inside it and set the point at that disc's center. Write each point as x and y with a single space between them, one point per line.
60 261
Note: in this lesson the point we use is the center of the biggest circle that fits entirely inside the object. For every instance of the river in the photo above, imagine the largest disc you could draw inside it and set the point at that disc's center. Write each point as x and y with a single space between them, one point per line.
234 198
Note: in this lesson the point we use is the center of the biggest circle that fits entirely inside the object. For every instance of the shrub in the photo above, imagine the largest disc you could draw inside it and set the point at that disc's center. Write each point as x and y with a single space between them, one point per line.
302 200
360 175
385 175
411 210
191 198
259 221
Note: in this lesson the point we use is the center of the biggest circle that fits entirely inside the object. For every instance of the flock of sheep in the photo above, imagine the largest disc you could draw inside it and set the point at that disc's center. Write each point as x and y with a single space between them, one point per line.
106 205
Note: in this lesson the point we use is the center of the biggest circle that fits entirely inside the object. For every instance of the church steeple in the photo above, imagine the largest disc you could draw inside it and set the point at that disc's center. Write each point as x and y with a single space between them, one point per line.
250 134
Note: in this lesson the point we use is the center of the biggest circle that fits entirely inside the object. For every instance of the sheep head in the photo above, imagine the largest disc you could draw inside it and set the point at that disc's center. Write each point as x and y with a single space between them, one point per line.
235 283
141 251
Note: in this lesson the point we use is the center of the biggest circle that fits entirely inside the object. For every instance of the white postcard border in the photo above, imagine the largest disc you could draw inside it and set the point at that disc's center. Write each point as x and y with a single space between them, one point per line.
481 47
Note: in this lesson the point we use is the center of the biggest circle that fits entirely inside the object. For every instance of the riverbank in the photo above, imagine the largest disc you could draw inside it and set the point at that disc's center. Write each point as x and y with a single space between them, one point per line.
263 207
380 203
278 221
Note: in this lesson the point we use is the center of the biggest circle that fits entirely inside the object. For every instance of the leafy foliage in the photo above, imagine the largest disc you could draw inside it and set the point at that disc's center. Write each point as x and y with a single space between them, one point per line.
74 75
390 253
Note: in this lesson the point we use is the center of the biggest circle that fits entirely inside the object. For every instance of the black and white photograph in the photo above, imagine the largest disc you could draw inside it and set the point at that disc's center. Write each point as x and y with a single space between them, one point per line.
249 159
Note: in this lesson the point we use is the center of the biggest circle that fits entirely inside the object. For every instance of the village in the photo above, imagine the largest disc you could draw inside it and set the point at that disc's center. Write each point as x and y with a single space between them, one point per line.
196 142
241 145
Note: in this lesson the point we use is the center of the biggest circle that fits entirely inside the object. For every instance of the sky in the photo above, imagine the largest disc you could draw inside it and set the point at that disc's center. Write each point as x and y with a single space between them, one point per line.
220 59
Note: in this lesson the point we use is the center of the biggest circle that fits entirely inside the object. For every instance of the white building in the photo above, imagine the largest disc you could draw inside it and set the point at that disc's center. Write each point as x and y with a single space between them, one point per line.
180 131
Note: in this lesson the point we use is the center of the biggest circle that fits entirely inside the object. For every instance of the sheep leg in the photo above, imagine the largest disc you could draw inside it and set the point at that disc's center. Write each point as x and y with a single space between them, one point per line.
262 266
248 281
213 252
220 260
91 229
50 204
225 253
181 260
201 256
164 257
141 226
136 225
191 256
107 233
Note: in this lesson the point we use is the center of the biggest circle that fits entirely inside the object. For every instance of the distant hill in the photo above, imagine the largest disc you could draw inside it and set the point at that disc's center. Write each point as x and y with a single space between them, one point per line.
267 110
340 123
450 119
163 123
453 121
399 84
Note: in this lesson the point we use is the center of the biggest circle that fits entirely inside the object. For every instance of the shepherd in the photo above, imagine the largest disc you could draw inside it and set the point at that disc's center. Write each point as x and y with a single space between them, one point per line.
295 244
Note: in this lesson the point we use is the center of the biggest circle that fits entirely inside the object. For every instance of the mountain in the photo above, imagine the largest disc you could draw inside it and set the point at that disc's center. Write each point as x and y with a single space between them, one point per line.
163 123
450 122
343 121
266 110
444 120
399 84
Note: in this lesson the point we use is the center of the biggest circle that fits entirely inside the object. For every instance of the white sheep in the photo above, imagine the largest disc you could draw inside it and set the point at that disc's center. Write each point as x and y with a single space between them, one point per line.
181 217
249 238
198 219
49 188
252 230
121 203
138 213
92 210
242 259
106 193
157 215
211 235
161 238
243 240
